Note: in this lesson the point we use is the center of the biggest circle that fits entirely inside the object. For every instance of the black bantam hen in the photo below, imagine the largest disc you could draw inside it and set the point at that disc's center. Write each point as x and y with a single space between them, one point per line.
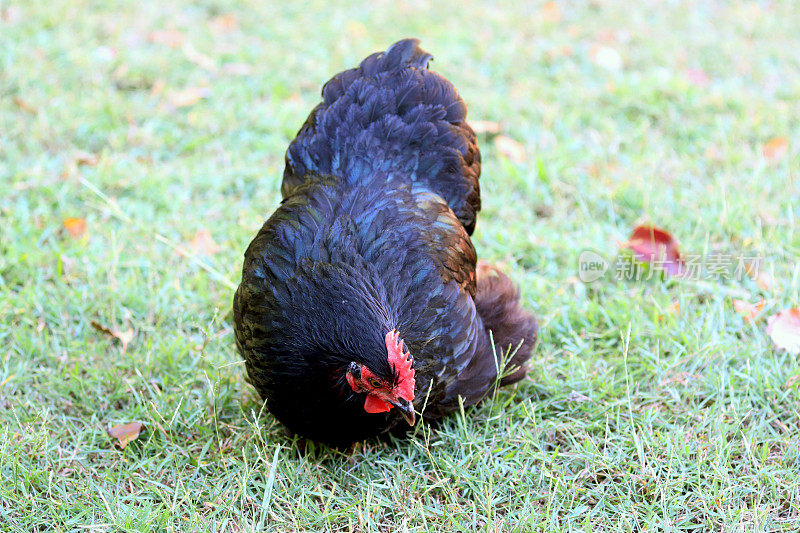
360 300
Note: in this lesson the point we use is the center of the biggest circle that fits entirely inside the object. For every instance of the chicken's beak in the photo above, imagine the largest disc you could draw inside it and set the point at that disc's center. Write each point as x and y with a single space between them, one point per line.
406 409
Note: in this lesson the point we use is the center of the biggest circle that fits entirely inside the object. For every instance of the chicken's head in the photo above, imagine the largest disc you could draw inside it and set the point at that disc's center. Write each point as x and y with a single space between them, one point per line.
385 392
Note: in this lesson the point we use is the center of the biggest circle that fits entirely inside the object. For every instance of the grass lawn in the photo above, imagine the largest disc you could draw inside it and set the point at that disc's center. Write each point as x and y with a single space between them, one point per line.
650 405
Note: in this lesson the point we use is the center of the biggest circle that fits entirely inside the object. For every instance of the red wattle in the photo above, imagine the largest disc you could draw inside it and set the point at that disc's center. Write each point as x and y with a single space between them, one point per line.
376 405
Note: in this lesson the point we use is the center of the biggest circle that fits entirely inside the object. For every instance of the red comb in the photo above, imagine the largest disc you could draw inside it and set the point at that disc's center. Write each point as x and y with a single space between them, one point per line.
400 359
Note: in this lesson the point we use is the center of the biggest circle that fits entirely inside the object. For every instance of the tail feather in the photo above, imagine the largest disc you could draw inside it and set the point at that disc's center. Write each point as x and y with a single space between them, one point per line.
392 117
513 328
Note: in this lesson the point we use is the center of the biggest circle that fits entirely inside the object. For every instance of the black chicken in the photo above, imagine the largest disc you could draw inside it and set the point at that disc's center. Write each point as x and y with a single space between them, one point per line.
360 302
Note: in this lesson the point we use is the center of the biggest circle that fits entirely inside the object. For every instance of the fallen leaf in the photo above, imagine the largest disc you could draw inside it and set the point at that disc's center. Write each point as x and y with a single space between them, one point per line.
223 23
25 106
578 397
158 87
606 57
237 69
171 38
125 433
124 337
550 12
198 58
484 126
10 14
86 159
203 243
764 281
776 148
356 29
697 76
188 96
784 328
747 310
510 148
654 245
75 226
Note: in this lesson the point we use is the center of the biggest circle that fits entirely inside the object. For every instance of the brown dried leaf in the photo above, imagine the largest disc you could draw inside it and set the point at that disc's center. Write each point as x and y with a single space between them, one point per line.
188 96
747 310
25 106
485 126
510 148
124 337
171 38
125 433
76 227
203 243
86 159
654 245
784 328
776 148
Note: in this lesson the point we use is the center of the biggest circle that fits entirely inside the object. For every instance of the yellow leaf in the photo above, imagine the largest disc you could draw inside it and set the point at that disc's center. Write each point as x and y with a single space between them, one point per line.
125 433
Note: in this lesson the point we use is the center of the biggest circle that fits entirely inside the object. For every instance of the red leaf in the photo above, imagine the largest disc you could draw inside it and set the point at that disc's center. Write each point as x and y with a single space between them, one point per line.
654 245
125 433
784 328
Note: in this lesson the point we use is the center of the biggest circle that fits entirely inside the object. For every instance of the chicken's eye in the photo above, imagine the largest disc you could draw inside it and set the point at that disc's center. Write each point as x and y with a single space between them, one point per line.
374 383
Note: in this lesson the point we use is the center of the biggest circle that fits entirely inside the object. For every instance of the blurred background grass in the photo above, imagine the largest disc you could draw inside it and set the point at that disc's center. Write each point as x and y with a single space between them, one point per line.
162 127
